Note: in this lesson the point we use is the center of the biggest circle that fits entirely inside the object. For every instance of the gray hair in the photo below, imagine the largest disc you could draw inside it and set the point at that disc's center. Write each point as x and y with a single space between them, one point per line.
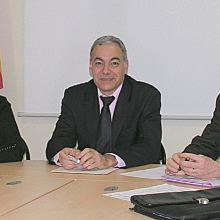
108 39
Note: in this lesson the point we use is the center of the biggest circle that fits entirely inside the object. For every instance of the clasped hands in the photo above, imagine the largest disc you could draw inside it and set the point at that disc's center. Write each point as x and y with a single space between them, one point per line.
199 166
89 159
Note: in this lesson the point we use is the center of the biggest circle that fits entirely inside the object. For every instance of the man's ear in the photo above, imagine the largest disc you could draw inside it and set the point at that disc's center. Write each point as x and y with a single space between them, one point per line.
90 68
126 65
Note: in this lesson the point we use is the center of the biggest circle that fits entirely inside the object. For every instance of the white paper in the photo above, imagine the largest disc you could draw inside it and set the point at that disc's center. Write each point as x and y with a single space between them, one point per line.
84 171
153 173
215 182
126 195
159 173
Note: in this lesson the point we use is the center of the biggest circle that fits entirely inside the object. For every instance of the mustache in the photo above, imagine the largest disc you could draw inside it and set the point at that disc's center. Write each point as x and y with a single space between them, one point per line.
106 78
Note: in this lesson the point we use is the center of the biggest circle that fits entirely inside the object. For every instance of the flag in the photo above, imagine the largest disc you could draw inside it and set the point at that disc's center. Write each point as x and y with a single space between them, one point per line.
1 79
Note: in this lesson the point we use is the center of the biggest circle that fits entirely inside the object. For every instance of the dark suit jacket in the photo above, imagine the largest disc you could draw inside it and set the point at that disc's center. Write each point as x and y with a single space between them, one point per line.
12 146
208 143
136 123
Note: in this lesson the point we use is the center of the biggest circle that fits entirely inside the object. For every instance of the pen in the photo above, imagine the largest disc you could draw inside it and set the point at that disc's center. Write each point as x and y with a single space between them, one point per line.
74 159
186 159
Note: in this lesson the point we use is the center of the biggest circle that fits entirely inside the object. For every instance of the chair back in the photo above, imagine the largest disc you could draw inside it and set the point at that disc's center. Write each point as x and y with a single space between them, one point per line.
163 155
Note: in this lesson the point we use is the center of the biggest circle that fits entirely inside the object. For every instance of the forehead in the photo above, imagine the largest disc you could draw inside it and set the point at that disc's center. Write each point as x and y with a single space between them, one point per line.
107 51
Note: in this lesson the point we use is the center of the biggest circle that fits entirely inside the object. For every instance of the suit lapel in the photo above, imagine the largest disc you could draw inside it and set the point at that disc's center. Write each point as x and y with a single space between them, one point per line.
91 113
121 110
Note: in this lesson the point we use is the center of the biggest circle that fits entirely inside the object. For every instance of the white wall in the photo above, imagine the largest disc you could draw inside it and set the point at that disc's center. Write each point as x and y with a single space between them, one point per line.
35 130
171 44
178 133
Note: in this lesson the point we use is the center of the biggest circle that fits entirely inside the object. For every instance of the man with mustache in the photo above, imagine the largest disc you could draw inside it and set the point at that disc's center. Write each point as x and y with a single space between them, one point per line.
109 121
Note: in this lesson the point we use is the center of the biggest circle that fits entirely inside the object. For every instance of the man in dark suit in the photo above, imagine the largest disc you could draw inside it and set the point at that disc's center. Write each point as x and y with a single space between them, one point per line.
199 158
135 130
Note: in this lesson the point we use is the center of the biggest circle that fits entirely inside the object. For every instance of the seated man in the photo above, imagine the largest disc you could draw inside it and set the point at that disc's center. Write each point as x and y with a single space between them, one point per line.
199 158
114 119
12 146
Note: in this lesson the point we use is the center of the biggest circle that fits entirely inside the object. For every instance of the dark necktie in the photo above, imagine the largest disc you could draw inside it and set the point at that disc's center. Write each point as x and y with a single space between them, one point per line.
103 144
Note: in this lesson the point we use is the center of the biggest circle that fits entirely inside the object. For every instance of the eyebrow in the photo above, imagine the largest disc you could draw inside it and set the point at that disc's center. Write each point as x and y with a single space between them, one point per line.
98 58
114 58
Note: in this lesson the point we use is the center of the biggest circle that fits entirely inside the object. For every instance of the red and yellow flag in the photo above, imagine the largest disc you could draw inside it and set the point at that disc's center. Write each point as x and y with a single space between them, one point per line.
1 79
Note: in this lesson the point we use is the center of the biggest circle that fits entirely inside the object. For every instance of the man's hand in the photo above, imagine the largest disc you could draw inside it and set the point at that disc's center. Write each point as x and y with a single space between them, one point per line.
200 166
90 159
65 160
173 165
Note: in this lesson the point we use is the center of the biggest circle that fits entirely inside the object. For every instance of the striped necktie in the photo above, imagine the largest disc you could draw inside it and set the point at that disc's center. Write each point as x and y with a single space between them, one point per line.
103 144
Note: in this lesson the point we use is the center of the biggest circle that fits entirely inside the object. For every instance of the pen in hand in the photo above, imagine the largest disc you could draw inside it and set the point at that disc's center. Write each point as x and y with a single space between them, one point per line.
186 159
74 159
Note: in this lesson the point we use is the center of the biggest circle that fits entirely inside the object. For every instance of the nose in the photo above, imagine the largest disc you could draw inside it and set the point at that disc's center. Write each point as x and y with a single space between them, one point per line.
106 69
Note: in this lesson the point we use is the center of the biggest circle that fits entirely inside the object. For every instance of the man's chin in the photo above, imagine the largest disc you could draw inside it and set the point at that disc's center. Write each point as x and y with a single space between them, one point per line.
107 90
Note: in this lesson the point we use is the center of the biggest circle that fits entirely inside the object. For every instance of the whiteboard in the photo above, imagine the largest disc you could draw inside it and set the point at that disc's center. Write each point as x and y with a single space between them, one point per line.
173 45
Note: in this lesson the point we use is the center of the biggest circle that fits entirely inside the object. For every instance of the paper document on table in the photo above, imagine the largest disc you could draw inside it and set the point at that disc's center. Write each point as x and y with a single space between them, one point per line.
153 173
126 195
192 180
84 171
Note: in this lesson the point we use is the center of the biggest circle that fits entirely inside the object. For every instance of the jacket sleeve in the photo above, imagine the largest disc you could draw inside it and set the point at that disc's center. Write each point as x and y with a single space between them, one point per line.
208 143
12 146
64 134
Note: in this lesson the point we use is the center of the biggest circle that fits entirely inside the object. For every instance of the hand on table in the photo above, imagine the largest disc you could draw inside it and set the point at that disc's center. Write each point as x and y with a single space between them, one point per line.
200 166
65 160
90 159
173 165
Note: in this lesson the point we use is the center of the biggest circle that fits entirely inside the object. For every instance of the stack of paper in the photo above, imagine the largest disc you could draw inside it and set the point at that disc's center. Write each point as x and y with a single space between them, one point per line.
84 171
192 181
126 195
159 173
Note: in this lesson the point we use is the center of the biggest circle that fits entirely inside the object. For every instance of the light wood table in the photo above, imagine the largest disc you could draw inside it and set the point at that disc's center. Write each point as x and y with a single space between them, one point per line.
80 200
27 190
40 167
43 195
26 168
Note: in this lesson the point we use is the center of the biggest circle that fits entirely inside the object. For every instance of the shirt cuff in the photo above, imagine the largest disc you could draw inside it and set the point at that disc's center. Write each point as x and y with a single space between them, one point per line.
55 159
120 162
